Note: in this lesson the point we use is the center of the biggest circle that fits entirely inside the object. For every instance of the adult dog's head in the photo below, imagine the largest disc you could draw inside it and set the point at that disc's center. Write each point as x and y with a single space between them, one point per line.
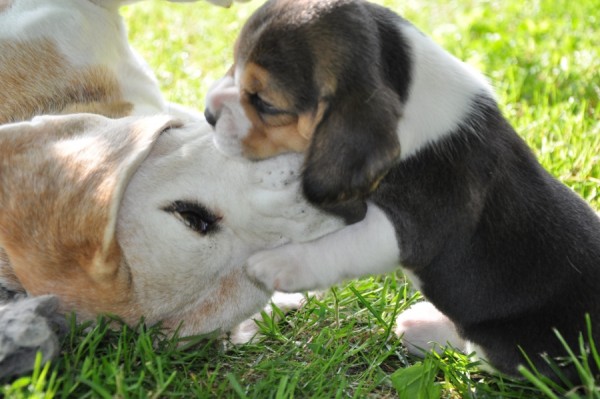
323 77
142 217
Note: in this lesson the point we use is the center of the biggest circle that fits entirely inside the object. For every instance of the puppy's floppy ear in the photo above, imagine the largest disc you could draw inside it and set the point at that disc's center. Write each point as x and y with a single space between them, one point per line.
367 76
61 183
351 151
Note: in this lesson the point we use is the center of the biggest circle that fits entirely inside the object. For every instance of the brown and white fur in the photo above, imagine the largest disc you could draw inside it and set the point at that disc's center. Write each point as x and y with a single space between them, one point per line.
141 216
408 141
68 56
105 214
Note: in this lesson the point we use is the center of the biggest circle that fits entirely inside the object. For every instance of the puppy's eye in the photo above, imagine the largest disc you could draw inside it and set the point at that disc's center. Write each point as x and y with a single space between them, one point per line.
194 216
262 106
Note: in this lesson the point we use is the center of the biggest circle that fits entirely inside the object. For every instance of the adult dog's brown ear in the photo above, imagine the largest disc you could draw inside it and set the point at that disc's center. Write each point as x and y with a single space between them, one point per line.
351 151
61 183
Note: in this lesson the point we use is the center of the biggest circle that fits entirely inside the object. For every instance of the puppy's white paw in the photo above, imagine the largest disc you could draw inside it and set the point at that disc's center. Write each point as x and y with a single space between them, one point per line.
281 269
247 331
424 328
272 269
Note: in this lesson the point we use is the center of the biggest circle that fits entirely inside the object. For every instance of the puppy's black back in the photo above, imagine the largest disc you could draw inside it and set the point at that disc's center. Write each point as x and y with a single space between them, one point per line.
500 246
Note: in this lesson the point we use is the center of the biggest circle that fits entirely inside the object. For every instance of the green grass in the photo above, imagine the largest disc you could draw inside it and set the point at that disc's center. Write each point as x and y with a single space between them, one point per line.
543 57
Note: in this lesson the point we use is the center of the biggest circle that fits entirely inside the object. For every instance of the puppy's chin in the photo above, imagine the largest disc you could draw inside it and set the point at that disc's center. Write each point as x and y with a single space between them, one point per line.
227 145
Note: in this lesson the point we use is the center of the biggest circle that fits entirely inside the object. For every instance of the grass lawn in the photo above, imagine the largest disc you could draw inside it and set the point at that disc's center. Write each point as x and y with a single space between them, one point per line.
543 57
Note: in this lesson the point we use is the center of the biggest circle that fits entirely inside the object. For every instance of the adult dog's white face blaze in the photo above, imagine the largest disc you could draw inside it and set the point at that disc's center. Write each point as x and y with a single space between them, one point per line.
186 239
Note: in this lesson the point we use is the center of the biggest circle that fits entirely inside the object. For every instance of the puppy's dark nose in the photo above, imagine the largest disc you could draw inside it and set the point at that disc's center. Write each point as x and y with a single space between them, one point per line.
210 117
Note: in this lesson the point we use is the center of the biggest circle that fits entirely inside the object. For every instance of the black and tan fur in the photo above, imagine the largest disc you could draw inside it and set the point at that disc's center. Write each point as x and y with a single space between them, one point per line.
403 131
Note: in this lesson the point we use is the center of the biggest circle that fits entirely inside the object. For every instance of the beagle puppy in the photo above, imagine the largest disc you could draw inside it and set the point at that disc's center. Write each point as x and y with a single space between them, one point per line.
406 140
141 216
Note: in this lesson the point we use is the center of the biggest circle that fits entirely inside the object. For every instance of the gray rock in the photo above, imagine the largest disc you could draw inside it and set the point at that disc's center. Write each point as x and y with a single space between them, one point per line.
28 325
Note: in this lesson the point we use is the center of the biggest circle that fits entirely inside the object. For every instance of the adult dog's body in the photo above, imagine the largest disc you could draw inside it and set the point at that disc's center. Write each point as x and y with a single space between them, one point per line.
389 119
67 56
70 56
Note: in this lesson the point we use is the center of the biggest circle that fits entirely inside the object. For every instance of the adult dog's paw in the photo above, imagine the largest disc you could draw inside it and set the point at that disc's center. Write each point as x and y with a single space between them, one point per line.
281 269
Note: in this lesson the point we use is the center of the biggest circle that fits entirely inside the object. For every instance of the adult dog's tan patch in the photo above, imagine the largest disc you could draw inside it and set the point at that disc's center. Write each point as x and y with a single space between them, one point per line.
36 79
116 109
61 183
8 279
5 4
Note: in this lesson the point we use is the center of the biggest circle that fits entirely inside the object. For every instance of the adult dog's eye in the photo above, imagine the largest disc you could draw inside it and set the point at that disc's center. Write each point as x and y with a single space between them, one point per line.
194 216
262 106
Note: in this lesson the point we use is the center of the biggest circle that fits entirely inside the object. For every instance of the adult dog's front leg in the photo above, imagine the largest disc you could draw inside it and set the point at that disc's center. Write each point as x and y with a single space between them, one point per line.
367 247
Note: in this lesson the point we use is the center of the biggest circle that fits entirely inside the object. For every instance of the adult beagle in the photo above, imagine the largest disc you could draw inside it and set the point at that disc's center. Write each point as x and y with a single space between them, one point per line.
408 141
137 216
141 216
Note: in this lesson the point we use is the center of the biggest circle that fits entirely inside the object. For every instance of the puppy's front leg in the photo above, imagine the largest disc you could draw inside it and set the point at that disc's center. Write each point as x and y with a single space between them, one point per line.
367 247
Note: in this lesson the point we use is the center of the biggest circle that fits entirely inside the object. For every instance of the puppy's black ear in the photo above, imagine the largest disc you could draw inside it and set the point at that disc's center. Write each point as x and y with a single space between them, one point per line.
352 149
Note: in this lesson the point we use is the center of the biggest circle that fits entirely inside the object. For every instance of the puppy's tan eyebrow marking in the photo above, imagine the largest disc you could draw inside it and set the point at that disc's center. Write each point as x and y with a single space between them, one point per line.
255 80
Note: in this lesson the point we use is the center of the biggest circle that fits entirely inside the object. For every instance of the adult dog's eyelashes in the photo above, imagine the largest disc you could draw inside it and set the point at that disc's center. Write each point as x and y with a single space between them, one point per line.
194 216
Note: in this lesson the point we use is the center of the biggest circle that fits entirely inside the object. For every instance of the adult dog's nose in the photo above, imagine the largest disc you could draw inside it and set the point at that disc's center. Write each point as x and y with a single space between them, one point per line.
210 117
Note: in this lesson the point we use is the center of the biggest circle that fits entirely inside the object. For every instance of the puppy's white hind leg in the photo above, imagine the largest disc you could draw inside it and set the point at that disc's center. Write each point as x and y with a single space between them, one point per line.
247 331
423 328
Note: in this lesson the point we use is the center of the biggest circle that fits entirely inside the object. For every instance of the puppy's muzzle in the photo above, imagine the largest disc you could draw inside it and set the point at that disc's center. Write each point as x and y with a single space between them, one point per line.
223 91
210 117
